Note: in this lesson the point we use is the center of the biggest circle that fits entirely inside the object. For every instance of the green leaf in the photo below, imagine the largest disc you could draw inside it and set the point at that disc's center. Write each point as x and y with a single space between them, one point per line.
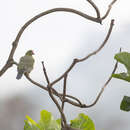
45 118
30 124
27 126
58 121
125 104
123 76
30 120
46 122
124 58
83 122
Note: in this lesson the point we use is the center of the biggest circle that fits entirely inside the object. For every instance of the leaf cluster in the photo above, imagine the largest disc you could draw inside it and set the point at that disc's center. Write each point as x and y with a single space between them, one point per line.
124 58
47 122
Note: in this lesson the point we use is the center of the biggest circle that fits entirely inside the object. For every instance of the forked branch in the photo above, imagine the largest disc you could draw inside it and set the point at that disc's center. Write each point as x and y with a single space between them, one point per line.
75 61
64 122
64 97
109 9
95 7
97 19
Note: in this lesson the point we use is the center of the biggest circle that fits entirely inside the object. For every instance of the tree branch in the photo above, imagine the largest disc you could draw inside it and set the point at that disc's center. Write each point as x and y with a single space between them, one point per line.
52 92
102 45
88 56
79 104
104 86
45 73
64 123
74 98
109 9
96 8
102 90
64 91
15 43
55 92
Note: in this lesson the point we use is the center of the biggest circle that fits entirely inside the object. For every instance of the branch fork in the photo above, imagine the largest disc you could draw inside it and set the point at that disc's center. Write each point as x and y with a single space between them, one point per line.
64 97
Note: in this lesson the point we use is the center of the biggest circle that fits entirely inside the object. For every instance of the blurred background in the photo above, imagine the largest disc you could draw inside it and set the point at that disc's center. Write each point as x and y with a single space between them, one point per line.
57 39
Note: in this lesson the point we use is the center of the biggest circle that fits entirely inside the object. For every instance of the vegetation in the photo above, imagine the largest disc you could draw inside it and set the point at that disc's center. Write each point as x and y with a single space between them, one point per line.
82 122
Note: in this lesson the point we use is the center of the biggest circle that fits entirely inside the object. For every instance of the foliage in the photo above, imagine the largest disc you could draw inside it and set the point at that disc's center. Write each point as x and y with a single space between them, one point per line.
124 58
83 122
47 122
125 104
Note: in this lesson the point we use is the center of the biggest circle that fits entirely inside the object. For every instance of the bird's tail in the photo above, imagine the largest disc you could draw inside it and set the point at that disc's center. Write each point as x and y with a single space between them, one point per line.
19 75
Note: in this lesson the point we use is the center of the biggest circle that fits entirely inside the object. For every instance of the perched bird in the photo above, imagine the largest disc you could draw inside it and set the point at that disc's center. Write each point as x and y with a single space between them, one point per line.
25 65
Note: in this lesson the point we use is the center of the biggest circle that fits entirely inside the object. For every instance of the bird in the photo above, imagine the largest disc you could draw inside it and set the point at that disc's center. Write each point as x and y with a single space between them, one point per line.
25 65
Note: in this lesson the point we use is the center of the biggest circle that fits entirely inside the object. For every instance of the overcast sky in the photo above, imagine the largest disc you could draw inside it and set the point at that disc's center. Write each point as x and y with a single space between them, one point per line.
57 39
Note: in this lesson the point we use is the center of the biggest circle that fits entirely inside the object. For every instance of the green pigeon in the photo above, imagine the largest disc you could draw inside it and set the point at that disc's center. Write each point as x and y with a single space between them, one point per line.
26 64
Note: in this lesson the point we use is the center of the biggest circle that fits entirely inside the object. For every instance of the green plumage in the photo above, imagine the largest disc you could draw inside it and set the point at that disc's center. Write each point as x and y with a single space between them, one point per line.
26 64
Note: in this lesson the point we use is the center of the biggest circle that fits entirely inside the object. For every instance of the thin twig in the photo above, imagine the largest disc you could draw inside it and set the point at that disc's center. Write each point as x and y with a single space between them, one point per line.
49 88
79 104
63 99
8 64
104 86
109 9
45 73
15 43
88 56
53 98
64 91
37 84
95 7
102 45
57 104
55 92
69 96
102 90
42 86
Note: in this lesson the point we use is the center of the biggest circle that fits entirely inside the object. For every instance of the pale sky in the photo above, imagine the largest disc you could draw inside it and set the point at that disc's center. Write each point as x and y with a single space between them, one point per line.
60 37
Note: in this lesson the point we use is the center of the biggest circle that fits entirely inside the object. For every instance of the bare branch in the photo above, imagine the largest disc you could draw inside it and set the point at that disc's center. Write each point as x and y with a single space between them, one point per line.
52 92
63 100
15 43
95 7
43 87
8 64
37 84
79 104
64 92
109 9
45 73
104 86
57 104
102 90
91 54
64 122
74 98
102 45
55 92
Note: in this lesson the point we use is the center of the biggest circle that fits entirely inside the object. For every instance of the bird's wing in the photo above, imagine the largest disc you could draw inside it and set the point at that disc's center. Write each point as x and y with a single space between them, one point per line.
26 63
21 65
